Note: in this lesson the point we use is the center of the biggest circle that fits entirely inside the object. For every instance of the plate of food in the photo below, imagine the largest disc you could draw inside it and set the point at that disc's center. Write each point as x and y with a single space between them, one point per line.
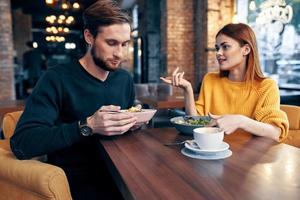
186 124
143 115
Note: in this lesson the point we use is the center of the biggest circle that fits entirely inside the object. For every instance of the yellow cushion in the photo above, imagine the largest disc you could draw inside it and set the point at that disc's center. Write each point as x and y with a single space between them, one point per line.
293 114
31 179
293 138
28 179
9 123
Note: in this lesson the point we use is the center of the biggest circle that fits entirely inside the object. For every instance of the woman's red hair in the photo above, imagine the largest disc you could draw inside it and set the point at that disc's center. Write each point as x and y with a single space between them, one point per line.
243 34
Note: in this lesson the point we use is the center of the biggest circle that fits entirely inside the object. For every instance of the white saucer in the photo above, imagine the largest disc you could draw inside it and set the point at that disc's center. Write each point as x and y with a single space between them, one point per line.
216 156
194 147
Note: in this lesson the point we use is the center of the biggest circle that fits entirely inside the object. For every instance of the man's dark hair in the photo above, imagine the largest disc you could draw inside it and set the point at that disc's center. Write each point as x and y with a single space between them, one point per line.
104 13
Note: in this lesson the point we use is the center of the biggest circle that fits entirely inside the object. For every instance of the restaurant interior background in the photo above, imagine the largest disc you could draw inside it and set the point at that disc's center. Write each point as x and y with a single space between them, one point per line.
166 34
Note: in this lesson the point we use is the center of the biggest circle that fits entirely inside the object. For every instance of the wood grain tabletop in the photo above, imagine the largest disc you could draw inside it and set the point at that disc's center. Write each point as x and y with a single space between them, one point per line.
144 168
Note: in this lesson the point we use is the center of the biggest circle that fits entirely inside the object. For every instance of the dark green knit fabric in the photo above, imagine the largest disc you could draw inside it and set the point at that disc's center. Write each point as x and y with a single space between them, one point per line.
64 95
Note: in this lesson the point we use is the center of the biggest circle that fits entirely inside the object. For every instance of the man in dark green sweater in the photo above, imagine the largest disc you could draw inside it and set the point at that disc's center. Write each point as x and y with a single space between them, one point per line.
68 107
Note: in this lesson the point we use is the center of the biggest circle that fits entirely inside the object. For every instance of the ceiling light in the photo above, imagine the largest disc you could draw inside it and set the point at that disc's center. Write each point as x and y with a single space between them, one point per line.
71 18
62 17
35 45
69 45
66 30
49 1
64 6
76 5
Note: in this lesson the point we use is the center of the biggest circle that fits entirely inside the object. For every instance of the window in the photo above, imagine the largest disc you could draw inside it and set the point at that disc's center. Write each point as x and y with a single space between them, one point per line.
277 27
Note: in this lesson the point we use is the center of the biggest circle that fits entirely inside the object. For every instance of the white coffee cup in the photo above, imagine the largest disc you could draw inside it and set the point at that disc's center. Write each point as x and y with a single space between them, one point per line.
208 137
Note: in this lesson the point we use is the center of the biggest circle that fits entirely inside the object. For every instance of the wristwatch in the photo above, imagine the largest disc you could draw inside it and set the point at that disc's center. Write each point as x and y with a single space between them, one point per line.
85 130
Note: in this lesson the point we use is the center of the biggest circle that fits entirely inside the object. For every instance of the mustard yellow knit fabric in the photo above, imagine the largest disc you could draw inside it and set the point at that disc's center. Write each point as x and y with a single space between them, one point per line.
258 100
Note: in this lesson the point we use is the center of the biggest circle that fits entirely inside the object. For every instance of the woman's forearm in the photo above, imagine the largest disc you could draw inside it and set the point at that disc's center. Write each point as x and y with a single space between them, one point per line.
190 108
261 129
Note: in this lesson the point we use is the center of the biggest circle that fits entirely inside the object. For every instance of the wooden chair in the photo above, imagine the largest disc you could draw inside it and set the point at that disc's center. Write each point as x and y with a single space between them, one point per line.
293 114
28 179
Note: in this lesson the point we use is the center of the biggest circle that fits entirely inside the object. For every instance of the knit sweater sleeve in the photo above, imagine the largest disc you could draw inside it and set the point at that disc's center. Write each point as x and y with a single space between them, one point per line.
268 107
39 130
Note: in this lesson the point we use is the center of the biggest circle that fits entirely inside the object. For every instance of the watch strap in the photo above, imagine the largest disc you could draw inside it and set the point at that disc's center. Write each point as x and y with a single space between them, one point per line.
85 130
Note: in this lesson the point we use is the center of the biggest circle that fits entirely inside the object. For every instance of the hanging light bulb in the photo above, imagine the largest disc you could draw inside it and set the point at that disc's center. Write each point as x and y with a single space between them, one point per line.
50 2
76 5
66 30
64 6
35 45
62 17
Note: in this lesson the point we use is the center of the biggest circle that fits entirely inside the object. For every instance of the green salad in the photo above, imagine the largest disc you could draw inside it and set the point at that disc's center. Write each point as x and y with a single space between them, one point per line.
193 121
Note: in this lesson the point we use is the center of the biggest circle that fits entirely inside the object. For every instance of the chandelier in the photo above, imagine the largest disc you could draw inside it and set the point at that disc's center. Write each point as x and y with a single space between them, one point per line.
63 4
58 24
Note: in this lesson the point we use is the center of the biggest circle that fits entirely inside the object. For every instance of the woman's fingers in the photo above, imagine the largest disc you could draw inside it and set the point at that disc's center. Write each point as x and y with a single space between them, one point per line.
214 116
214 119
167 80
175 80
180 78
175 71
212 123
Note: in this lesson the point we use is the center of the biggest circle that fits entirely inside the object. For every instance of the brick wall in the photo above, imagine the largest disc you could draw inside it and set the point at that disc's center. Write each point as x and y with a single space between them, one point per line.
179 37
179 28
219 13
6 53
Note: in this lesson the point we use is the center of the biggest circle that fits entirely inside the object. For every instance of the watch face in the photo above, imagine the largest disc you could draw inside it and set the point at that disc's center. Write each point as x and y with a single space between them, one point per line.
86 131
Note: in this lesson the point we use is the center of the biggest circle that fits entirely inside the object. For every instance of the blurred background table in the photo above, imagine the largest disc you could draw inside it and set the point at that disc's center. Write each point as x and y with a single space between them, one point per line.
163 101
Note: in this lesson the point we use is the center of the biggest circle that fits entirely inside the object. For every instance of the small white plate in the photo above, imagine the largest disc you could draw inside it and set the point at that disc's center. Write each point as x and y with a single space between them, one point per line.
194 147
217 156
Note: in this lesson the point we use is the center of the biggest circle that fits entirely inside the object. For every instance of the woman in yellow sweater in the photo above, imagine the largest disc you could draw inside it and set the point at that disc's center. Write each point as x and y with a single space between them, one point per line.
239 96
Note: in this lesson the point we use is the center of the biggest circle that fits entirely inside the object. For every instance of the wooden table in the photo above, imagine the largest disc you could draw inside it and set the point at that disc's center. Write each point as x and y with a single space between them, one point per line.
144 168
163 101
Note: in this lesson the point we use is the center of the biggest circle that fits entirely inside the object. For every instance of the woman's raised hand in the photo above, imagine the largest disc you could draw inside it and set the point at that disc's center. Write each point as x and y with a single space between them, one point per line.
176 79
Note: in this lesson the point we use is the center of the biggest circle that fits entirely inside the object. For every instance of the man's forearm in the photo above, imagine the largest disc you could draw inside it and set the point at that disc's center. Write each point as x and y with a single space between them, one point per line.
28 142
